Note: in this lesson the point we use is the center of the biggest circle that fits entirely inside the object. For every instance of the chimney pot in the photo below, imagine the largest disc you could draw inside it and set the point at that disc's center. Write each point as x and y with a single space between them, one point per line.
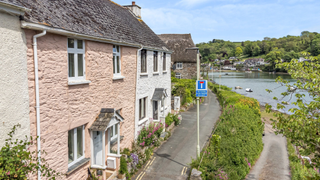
133 3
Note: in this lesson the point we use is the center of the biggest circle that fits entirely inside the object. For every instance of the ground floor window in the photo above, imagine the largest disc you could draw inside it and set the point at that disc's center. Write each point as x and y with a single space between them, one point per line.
113 131
142 108
75 144
178 75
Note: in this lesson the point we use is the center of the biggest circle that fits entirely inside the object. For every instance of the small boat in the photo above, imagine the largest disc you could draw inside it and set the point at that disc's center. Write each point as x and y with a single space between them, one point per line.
226 73
249 90
238 87
248 71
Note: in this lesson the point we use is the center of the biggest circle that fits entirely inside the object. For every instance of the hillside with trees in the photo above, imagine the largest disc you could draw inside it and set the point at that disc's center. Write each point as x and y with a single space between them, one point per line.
270 49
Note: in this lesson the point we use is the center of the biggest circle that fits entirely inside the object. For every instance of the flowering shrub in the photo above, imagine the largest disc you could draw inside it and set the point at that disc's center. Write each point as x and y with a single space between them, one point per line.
135 159
148 135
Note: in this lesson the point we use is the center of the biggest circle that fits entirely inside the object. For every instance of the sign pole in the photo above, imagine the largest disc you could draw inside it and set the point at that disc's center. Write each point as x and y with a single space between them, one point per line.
198 106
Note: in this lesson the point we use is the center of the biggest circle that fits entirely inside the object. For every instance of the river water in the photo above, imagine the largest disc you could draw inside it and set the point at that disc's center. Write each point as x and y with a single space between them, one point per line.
258 82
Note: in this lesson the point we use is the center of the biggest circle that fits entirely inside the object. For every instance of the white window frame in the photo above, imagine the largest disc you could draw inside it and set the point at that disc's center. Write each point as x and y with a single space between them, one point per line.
178 76
77 51
164 62
155 61
112 138
115 63
145 108
75 146
179 65
146 61
114 129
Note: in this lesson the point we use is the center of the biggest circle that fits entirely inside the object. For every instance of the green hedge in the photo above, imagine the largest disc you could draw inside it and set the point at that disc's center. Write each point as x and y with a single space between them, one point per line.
240 138
186 88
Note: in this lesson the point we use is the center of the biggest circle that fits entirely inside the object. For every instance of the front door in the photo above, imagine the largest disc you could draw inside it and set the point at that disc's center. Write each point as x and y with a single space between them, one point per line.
97 148
155 110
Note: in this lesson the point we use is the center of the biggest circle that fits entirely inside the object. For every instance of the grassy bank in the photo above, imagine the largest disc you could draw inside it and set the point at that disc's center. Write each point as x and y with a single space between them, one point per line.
236 143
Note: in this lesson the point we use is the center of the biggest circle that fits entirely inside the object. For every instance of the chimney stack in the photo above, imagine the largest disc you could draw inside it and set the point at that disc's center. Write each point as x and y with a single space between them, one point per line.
135 9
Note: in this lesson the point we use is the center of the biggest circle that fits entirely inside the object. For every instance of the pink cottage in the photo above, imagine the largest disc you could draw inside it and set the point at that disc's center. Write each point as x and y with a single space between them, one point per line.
82 68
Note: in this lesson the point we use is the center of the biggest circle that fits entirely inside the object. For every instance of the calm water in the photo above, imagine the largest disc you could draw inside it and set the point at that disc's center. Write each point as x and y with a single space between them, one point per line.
258 82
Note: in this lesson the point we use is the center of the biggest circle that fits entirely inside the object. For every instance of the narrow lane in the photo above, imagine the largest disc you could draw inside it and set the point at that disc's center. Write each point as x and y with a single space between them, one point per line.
171 160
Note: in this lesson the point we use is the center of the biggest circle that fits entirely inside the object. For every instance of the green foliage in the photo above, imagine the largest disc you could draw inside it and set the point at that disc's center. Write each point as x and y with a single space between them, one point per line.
18 162
308 41
149 135
123 165
237 141
299 171
185 88
126 151
303 125
172 118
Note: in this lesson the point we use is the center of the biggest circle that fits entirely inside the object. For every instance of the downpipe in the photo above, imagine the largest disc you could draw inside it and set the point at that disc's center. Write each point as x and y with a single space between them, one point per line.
35 59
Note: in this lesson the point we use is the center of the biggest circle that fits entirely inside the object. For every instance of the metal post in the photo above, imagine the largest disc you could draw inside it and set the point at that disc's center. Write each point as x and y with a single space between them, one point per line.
198 105
220 76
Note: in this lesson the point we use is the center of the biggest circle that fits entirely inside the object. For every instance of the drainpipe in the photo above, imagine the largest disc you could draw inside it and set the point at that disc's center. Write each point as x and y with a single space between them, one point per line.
137 114
35 59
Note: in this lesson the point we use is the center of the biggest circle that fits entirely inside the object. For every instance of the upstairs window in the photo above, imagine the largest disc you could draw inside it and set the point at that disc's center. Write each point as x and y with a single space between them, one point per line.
116 61
143 61
76 60
179 65
155 61
164 62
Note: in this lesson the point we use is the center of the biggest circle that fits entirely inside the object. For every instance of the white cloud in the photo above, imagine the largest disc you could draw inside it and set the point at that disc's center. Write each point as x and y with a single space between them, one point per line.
190 3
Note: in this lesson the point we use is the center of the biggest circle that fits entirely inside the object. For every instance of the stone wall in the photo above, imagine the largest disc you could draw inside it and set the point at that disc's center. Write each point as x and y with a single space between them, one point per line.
148 82
14 98
65 107
188 71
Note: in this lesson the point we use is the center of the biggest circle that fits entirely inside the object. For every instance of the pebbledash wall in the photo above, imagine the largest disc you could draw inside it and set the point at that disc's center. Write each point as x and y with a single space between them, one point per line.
146 85
14 98
65 107
188 71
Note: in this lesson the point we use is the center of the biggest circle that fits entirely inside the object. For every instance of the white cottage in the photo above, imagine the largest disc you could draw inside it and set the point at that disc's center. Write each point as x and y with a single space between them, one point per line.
153 94
14 96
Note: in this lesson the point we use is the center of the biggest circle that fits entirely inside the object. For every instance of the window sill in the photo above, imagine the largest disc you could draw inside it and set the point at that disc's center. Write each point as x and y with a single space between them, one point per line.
142 121
118 77
98 167
77 165
164 72
143 74
114 155
79 82
156 73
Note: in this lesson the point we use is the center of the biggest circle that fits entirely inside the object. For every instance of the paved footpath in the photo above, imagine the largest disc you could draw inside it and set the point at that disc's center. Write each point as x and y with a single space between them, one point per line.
273 163
170 161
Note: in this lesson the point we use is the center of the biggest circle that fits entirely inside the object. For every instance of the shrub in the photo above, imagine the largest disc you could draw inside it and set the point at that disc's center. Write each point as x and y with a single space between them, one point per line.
240 129
123 165
17 162
172 118
185 88
148 136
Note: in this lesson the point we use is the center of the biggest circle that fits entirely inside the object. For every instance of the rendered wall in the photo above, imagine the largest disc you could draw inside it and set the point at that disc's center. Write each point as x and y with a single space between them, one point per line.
146 85
65 107
14 99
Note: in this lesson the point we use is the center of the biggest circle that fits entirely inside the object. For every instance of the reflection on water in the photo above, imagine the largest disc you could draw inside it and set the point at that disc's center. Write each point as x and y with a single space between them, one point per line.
258 82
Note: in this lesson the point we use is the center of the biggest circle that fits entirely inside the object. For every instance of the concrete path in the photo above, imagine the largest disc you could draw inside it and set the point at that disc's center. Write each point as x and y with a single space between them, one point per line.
273 163
171 160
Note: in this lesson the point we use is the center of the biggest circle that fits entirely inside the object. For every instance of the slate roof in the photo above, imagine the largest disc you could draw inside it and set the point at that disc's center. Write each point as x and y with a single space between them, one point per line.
102 121
178 43
13 2
158 94
98 18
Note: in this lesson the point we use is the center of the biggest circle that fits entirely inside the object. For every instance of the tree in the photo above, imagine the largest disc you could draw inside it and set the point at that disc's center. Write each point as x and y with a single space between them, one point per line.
256 51
18 162
238 52
302 127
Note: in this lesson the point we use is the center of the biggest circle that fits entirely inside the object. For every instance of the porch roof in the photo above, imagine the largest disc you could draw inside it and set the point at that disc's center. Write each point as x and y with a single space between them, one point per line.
103 120
158 94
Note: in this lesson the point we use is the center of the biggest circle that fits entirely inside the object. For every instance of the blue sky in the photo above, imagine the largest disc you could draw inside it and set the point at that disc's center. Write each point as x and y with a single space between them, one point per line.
234 20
